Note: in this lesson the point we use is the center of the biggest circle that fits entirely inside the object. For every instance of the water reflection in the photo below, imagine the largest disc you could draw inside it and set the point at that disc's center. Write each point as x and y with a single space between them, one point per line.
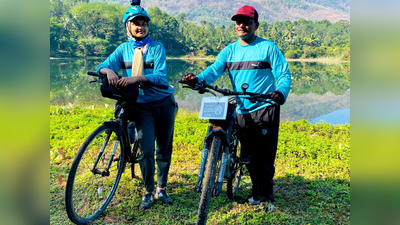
338 117
317 89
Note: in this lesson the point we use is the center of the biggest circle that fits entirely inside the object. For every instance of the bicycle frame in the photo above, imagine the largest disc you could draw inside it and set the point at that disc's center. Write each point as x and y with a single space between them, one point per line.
107 156
222 141
122 122
222 129
122 116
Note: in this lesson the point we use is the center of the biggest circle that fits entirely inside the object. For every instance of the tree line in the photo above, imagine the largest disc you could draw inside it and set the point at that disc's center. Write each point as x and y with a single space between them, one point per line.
83 28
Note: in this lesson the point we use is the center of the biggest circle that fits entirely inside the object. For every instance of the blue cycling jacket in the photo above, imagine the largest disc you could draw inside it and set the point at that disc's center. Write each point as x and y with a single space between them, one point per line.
155 68
260 64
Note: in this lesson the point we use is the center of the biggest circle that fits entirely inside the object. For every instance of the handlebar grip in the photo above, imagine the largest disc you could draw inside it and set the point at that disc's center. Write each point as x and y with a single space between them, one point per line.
268 96
95 74
183 82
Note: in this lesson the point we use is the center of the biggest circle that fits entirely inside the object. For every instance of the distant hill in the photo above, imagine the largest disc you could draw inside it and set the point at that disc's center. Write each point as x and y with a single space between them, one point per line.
219 11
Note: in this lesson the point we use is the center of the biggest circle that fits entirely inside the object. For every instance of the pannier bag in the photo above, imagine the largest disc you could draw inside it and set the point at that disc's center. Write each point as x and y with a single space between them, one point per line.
127 94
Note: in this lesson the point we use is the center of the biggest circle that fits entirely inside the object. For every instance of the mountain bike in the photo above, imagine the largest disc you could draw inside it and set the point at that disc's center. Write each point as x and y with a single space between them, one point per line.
102 158
221 156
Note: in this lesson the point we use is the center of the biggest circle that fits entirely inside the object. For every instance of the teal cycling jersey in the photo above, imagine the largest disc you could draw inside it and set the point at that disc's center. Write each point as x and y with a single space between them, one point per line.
155 68
260 64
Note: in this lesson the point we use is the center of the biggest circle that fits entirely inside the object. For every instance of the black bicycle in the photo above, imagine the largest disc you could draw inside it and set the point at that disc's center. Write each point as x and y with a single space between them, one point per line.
221 156
102 158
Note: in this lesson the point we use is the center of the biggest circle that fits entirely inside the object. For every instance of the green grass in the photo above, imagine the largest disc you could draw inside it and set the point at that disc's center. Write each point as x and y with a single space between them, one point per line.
312 180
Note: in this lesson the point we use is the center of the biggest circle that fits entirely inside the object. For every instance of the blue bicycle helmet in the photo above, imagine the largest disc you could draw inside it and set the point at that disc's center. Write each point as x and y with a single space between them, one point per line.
133 12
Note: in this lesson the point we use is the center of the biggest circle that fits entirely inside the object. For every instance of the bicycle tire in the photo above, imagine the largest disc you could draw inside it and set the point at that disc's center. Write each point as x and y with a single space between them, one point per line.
135 155
81 207
235 172
209 181
233 183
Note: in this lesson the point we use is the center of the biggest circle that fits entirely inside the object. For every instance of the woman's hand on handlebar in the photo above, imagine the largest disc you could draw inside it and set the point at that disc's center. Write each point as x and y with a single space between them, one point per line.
124 81
189 79
111 76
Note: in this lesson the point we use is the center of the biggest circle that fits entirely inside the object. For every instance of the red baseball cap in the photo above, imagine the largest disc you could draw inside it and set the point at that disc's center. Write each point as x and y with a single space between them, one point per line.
248 11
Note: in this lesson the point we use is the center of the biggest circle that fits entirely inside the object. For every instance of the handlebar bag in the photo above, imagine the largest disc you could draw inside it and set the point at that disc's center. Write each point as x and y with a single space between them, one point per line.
127 94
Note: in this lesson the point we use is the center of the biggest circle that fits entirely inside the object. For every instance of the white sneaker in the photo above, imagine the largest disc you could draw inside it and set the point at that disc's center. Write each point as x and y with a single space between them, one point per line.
270 207
253 202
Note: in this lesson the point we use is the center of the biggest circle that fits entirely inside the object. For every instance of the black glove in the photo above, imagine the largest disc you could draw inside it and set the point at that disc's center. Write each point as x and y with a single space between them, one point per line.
189 79
277 97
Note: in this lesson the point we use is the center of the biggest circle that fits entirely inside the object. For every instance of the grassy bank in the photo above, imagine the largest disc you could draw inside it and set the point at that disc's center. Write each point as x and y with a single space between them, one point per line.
312 182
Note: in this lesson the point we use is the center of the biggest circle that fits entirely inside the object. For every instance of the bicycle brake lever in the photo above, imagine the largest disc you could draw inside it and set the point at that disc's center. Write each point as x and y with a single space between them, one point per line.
192 87
92 81
202 91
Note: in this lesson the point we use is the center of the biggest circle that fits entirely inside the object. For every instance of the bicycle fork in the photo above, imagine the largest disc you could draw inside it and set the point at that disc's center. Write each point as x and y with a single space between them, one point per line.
201 168
218 184
106 172
221 172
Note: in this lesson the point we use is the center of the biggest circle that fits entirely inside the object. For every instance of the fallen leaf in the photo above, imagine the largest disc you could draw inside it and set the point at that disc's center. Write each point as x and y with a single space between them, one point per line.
60 180
61 154
110 219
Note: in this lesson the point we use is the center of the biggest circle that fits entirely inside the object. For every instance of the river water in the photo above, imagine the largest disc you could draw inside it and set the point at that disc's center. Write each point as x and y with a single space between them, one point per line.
320 92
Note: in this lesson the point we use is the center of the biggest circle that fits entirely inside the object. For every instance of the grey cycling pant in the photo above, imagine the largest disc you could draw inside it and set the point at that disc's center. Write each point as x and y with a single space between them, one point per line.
155 125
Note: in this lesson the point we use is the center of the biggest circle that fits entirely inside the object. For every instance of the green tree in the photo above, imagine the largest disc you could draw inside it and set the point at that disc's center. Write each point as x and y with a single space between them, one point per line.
80 27
56 8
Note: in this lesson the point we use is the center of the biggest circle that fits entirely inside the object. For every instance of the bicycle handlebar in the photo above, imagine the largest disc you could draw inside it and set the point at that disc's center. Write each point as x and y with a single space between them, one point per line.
102 76
201 87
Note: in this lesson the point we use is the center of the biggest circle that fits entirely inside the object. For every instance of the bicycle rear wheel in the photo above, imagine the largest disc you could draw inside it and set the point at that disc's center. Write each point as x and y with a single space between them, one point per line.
235 172
95 174
209 181
233 183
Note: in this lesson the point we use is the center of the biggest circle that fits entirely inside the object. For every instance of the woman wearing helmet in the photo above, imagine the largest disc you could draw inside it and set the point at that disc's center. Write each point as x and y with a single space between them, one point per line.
144 60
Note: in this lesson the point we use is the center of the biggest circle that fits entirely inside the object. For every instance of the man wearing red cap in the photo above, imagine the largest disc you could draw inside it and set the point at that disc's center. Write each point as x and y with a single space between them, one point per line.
259 63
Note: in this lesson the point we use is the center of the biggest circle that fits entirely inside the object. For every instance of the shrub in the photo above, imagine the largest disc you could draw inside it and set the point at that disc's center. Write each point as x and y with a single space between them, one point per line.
298 53
290 54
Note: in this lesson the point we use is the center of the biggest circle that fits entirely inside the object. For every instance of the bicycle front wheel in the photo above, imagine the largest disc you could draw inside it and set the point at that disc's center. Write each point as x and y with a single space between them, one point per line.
94 175
209 181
